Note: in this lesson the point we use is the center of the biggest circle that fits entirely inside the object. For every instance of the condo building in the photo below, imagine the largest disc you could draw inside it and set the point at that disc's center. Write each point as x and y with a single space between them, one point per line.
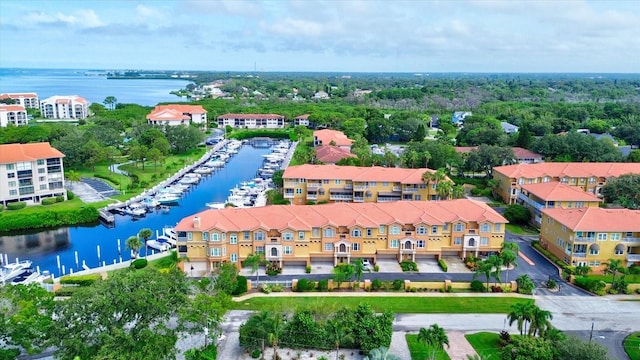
64 107
592 236
27 100
540 196
30 173
338 233
252 121
13 115
173 115
332 183
590 177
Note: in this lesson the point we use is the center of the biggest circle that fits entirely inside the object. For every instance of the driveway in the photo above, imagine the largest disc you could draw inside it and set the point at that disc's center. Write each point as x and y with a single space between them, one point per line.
455 265
428 265
322 267
388 266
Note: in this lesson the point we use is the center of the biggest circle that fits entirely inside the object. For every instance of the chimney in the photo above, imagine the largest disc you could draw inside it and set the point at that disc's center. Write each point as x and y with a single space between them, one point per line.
196 222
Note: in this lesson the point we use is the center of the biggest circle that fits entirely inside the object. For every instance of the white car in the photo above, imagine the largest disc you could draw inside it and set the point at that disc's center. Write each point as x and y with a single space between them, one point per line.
366 263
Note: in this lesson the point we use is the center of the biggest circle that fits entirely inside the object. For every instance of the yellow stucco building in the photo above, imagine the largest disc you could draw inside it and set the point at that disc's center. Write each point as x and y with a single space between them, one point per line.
341 232
537 197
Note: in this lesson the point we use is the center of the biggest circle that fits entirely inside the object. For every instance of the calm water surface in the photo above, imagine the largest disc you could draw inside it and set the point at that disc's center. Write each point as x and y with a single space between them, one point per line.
43 247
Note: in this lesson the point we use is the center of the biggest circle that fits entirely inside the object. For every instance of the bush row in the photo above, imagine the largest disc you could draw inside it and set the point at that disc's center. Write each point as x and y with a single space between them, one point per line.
16 205
407 265
310 285
443 265
592 285
80 280
247 134
16 221
108 178
241 286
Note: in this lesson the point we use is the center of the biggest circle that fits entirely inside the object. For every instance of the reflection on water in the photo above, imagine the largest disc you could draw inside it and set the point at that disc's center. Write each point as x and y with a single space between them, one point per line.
37 243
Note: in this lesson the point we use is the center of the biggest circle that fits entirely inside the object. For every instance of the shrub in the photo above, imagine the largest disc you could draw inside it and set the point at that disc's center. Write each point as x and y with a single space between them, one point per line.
67 291
592 285
496 289
1 207
301 285
505 338
376 284
12 221
443 265
108 178
525 284
80 280
398 284
48 201
308 269
323 285
376 268
59 198
241 286
477 285
273 270
265 288
407 265
16 205
277 288
255 354
552 284
139 263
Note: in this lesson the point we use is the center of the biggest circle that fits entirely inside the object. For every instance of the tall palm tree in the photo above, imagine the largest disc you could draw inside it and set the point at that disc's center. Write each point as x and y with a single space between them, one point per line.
133 243
496 263
519 314
457 192
359 269
337 334
145 233
434 338
254 260
483 268
508 258
273 336
444 189
540 321
613 267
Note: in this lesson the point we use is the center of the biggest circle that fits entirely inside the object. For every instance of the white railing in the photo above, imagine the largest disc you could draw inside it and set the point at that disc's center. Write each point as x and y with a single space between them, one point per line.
631 239
633 257
584 239
340 197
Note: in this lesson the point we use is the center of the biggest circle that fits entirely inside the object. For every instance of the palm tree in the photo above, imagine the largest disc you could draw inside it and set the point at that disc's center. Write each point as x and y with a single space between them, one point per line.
337 334
73 176
511 246
381 353
582 270
519 314
274 335
483 268
496 263
359 269
254 260
540 321
613 266
145 233
133 243
434 338
458 192
444 189
508 258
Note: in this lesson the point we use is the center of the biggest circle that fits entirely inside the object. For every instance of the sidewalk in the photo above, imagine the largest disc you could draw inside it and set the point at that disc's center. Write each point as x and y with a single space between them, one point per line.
376 294
459 347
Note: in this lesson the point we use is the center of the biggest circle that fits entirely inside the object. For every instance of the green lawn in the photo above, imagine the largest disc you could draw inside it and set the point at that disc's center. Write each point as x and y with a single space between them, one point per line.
419 351
632 346
396 304
485 344
521 230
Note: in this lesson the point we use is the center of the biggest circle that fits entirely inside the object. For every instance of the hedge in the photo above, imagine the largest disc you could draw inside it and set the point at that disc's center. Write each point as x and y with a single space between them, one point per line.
241 286
139 263
595 286
306 285
323 285
80 280
247 134
16 205
68 291
407 265
49 201
443 265
568 269
11 221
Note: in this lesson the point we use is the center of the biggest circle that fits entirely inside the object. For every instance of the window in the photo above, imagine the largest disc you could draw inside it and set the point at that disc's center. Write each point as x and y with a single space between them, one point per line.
288 236
619 251
593 250
259 249
369 232
395 230
484 241
459 227
328 232
189 235
355 247
434 229
13 192
288 250
12 184
43 187
602 236
298 191
356 233
233 257
579 204
382 229
300 235
205 236
420 244
446 227
417 197
497 227
328 247
9 166
421 230
594 263
457 240
247 235
485 227
325 181
316 232
40 162
258 236
395 244
592 180
11 175
385 183
215 237
233 239
338 181
41 170
615 237
215 251
373 183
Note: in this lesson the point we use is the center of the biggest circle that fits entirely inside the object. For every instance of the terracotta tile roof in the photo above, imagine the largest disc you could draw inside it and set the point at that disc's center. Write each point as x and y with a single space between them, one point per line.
4 107
302 117
522 153
174 112
18 95
355 173
332 154
596 219
251 116
465 149
65 99
12 153
557 191
578 169
328 135
305 217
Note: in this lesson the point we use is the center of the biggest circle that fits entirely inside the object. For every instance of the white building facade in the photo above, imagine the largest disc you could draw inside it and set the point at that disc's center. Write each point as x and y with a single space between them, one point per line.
65 107
252 121
28 100
13 114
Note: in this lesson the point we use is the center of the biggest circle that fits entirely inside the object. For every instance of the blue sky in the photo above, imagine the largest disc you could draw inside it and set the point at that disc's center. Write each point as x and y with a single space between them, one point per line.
314 35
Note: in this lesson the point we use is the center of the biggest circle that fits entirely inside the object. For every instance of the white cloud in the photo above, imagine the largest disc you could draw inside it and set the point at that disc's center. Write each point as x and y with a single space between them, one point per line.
83 18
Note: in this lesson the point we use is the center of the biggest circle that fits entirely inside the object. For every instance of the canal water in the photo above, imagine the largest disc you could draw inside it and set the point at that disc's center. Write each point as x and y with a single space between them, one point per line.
43 247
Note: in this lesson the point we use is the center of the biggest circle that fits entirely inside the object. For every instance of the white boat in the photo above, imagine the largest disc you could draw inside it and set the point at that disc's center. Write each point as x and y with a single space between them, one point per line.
167 198
158 245
188 180
173 190
216 205
9 271
203 170
150 202
135 209
215 163
27 277
170 232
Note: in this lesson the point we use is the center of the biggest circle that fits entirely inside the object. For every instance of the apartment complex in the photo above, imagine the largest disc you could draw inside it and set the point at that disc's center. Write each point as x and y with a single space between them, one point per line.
27 100
252 121
329 154
301 120
172 115
339 233
64 107
30 173
590 177
537 197
331 137
331 183
13 114
592 236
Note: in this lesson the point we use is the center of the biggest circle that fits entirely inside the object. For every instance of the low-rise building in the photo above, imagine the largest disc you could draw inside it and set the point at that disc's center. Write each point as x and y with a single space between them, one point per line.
331 183
540 196
340 233
252 121
30 173
331 137
13 114
27 100
459 117
592 236
329 154
64 107
174 114
302 120
523 155
587 176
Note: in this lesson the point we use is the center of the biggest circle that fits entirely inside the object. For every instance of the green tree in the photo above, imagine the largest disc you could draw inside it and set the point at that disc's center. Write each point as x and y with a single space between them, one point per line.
520 313
582 270
225 278
337 334
73 176
133 243
539 321
524 136
509 258
458 192
614 266
359 269
155 156
496 263
572 348
145 234
204 314
434 338
528 348
624 190
255 260
353 127
342 273
486 157
110 102
634 156
517 214
277 179
525 284
483 268
420 133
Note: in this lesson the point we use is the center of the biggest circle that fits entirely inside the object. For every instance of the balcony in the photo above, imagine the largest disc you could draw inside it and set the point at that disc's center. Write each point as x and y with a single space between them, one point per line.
388 199
313 185
358 199
348 186
530 202
342 250
274 240
584 239
631 239
288 194
411 189
312 196
633 257
360 187
580 255
340 197
397 188
404 249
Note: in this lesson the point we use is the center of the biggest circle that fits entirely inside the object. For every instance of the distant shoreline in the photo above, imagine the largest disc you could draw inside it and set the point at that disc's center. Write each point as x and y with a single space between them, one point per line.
144 78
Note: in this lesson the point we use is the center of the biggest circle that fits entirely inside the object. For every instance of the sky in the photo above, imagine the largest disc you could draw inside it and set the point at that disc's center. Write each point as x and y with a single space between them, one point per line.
324 36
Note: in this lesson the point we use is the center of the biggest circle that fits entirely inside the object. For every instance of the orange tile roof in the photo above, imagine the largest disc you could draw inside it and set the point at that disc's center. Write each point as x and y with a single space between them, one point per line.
302 117
596 219
305 217
174 112
557 191
356 173
251 116
577 169
12 153
17 95
522 153
465 149
332 154
328 135
11 107
65 99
